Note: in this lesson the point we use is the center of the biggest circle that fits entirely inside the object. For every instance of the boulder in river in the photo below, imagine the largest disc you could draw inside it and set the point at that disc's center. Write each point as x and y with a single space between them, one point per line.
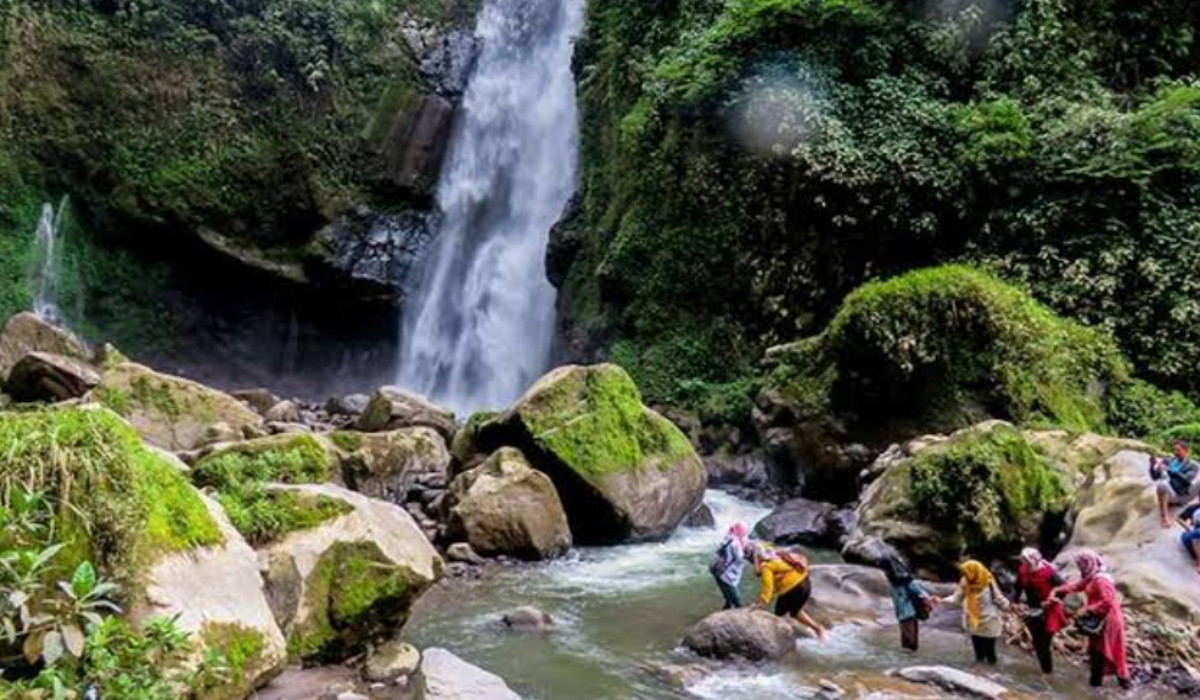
750 634
956 681
41 376
347 581
624 472
798 521
444 676
391 408
1116 514
25 333
390 661
505 506
171 412
702 517
528 618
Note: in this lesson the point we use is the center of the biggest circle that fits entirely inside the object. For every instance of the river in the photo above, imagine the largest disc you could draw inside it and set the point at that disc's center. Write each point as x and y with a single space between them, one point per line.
619 610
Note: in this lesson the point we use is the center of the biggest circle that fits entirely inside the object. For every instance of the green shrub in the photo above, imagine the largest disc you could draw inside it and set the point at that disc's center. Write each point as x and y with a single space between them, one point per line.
1140 409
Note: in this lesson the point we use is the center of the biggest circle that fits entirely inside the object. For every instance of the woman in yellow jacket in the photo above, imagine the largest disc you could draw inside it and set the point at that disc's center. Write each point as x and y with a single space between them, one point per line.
785 574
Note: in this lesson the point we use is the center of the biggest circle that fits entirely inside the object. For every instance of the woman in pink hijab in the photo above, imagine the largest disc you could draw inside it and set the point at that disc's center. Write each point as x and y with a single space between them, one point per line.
1106 645
729 563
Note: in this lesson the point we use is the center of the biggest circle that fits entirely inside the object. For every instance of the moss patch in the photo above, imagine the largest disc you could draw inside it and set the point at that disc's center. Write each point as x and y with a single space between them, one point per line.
945 346
120 503
240 473
354 597
593 420
242 650
989 489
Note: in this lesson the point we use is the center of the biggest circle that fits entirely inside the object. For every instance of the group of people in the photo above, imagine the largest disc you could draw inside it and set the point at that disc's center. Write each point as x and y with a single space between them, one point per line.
1038 596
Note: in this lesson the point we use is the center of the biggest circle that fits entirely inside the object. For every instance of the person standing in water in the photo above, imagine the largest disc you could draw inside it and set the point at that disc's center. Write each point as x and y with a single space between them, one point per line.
729 563
787 574
1102 619
982 604
1044 617
912 602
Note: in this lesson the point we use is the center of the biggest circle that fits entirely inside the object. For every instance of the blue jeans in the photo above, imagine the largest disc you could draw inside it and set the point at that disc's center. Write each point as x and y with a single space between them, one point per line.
1189 538
733 599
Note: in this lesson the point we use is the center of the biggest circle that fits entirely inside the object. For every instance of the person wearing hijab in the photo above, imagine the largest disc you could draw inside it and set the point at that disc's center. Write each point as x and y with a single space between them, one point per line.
1036 578
1106 648
982 603
729 563
908 597
787 575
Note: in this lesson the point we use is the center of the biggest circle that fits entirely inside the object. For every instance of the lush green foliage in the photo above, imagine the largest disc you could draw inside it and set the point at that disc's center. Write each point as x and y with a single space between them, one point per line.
990 489
945 346
750 162
240 474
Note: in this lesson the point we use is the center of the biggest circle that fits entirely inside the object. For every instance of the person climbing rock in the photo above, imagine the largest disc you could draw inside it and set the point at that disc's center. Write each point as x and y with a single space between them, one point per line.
729 563
982 603
1101 619
787 575
1044 617
912 602
1175 480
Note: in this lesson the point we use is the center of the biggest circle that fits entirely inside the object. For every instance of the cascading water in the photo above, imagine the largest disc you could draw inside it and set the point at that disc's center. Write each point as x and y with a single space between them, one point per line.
47 263
479 329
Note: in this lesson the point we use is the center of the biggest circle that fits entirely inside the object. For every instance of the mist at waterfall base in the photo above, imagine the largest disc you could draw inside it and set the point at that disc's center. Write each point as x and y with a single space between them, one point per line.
480 328
620 612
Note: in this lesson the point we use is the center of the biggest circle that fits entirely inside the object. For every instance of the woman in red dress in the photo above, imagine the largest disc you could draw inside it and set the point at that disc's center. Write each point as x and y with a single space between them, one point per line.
1106 650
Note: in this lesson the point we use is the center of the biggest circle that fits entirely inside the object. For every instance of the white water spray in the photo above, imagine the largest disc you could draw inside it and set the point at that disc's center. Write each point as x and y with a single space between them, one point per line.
47 263
479 329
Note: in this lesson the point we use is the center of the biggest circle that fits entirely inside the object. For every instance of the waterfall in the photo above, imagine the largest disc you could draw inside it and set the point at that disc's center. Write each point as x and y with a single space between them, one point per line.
47 263
479 328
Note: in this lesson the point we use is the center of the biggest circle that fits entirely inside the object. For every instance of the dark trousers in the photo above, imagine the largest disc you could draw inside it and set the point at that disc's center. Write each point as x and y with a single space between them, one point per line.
985 649
1042 642
733 599
910 631
1096 663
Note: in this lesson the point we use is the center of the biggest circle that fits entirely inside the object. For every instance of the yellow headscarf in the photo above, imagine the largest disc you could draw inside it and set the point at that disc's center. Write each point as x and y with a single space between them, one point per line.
975 580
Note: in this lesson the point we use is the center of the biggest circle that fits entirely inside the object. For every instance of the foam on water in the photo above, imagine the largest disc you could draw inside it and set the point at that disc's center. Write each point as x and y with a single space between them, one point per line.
739 685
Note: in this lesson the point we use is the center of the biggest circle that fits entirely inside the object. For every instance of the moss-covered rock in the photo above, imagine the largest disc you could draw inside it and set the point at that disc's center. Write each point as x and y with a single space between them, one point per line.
123 505
168 411
464 448
391 408
388 465
240 474
354 578
505 507
985 491
939 349
623 471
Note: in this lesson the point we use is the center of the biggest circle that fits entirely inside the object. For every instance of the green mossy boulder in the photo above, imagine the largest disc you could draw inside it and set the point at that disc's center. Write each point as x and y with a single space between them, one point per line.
350 581
985 491
240 474
171 412
935 349
623 471
388 465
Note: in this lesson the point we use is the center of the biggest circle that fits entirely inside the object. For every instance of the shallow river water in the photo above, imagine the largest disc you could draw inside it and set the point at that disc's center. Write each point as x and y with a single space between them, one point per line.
619 610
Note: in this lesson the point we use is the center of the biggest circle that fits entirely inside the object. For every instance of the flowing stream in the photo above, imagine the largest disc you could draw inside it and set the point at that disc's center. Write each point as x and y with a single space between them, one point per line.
620 610
479 329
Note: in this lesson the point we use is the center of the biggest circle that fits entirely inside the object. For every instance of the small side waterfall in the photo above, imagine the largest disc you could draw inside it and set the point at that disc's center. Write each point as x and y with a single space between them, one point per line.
47 263
479 329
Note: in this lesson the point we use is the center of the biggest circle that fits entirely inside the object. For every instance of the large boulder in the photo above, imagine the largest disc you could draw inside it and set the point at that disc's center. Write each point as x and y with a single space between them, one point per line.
507 507
623 471
391 408
988 490
25 333
389 465
751 634
850 593
42 376
798 521
956 681
168 411
1116 514
216 594
444 676
348 581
